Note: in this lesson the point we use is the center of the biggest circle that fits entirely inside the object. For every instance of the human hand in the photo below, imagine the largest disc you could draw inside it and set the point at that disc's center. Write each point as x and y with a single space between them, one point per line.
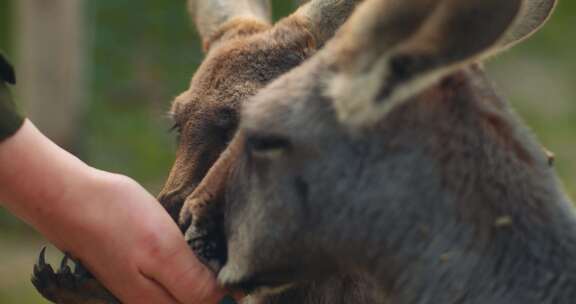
129 243
107 221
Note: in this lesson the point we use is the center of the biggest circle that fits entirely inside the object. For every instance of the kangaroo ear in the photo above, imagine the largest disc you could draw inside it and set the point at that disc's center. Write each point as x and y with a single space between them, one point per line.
215 20
532 17
325 17
390 51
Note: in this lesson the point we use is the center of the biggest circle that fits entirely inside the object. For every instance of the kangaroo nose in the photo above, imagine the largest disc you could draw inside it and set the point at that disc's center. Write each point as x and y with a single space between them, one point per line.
209 245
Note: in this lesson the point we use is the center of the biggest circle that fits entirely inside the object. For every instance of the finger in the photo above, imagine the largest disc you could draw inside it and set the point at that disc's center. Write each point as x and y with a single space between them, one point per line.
186 279
142 290
134 287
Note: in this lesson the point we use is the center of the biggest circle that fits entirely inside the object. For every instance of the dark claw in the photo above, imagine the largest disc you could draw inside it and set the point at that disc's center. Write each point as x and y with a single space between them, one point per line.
42 275
80 271
67 286
41 268
42 257
64 268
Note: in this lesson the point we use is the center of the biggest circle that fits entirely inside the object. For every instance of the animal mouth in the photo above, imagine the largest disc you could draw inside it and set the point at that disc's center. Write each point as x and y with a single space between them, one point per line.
262 288
269 283
210 246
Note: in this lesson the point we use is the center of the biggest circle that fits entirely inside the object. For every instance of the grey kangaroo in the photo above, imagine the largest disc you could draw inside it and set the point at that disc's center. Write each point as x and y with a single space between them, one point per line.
389 155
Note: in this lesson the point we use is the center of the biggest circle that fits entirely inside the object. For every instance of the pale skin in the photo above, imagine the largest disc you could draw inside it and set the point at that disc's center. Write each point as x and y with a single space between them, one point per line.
107 221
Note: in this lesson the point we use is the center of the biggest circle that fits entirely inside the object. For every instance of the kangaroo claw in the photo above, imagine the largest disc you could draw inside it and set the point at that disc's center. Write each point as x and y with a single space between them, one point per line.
66 286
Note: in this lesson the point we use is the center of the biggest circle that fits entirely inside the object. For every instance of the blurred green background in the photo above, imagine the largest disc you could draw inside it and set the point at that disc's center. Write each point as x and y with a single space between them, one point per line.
141 54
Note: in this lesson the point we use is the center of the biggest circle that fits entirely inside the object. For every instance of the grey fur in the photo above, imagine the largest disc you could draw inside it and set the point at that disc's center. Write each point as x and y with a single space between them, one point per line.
448 198
533 16
327 15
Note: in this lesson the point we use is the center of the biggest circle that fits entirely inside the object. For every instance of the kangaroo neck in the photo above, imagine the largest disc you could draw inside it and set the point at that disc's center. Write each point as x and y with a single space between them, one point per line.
484 219
519 265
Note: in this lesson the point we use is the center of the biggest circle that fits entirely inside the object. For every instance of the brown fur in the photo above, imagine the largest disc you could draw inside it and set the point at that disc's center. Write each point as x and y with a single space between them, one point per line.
234 69
235 29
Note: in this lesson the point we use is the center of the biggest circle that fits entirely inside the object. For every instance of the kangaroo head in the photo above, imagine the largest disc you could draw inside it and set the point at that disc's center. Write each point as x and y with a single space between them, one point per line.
384 153
244 52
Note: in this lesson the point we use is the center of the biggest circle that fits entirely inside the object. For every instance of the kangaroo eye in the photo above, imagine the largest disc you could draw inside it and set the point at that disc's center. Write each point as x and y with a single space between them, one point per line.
266 145
176 128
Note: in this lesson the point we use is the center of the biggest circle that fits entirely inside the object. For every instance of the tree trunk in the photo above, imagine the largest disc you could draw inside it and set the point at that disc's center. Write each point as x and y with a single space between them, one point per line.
51 61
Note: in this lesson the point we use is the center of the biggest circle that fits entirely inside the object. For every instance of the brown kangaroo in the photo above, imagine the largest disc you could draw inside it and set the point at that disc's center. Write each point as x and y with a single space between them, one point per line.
389 155
244 53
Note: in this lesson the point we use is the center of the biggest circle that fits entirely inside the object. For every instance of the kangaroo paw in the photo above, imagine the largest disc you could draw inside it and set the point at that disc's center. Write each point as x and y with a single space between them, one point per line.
67 286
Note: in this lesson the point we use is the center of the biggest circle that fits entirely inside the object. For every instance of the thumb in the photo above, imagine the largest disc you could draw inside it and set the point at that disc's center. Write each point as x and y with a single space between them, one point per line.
186 278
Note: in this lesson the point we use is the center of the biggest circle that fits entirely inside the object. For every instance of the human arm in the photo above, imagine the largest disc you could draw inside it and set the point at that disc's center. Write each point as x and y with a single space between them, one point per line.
107 221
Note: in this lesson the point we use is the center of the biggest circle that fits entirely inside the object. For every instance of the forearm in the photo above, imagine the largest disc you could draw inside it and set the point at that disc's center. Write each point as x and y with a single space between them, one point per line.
36 176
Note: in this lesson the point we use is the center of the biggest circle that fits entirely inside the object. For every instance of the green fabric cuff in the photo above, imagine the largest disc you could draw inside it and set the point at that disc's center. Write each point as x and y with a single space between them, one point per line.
10 120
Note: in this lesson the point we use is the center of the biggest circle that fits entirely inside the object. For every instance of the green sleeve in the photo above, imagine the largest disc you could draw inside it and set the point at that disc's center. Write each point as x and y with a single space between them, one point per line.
10 120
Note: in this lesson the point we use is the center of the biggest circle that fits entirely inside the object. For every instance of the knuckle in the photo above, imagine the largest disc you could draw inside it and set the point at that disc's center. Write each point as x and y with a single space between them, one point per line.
153 246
